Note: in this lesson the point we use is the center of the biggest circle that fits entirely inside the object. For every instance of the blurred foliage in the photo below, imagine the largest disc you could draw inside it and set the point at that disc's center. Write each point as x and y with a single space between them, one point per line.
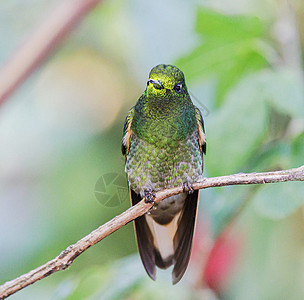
125 279
60 133
231 47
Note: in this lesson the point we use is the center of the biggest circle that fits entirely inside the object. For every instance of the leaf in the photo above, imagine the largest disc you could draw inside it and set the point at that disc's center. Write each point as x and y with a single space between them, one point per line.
278 200
236 130
246 63
217 25
231 46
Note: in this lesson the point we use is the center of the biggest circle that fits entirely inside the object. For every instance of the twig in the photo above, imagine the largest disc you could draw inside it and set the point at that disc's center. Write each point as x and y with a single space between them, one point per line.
41 43
66 257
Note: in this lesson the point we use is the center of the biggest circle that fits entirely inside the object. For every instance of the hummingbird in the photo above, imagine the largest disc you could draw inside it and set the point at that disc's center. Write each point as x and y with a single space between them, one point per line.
163 143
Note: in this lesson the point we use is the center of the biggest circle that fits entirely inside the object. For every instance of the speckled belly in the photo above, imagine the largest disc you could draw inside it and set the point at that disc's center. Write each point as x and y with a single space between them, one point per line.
154 168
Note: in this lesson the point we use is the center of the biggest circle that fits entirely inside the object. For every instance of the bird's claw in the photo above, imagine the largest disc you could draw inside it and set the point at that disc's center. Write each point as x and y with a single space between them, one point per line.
149 197
187 187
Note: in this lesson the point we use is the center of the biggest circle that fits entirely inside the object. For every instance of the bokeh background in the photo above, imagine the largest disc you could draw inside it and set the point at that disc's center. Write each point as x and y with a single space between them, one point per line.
61 170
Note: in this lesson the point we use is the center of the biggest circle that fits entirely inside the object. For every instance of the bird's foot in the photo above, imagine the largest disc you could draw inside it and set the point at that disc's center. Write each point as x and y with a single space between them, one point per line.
149 197
187 187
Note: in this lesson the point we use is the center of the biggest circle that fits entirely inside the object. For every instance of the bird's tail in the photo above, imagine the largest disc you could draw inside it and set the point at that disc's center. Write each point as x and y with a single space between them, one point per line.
166 245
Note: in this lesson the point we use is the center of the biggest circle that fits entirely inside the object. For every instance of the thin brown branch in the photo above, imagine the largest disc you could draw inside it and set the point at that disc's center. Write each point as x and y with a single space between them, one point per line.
66 257
41 43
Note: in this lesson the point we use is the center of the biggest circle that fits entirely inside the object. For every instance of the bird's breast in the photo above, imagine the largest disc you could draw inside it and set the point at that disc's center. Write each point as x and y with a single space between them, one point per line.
150 167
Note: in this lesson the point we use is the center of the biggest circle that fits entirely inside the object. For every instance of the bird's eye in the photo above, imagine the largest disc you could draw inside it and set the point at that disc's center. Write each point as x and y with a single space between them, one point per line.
178 88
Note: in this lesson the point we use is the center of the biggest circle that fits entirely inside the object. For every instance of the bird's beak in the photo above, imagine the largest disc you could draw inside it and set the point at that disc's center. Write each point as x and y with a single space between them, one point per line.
157 84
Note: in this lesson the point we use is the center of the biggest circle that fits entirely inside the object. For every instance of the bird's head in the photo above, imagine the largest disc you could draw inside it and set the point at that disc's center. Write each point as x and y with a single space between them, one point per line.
166 81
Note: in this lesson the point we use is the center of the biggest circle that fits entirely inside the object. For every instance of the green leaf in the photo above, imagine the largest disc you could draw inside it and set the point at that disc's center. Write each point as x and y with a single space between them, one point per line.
217 25
231 46
236 130
278 200
216 56
248 62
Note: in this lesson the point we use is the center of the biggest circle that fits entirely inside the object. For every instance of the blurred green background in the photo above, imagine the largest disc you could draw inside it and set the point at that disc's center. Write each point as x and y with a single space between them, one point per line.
60 134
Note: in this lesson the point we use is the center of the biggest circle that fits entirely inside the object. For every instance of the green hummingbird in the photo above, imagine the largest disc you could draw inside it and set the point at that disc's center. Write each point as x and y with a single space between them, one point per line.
164 142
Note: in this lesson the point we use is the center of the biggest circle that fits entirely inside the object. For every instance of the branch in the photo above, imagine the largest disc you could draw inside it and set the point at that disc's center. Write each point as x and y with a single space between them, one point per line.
66 257
41 43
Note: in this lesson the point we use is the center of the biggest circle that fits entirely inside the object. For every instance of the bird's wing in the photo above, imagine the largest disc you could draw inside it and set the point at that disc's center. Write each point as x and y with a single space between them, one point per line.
201 131
183 237
184 234
144 239
127 133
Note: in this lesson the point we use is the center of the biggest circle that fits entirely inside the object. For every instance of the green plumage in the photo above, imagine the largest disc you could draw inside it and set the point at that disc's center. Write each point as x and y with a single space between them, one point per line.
163 142
163 164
